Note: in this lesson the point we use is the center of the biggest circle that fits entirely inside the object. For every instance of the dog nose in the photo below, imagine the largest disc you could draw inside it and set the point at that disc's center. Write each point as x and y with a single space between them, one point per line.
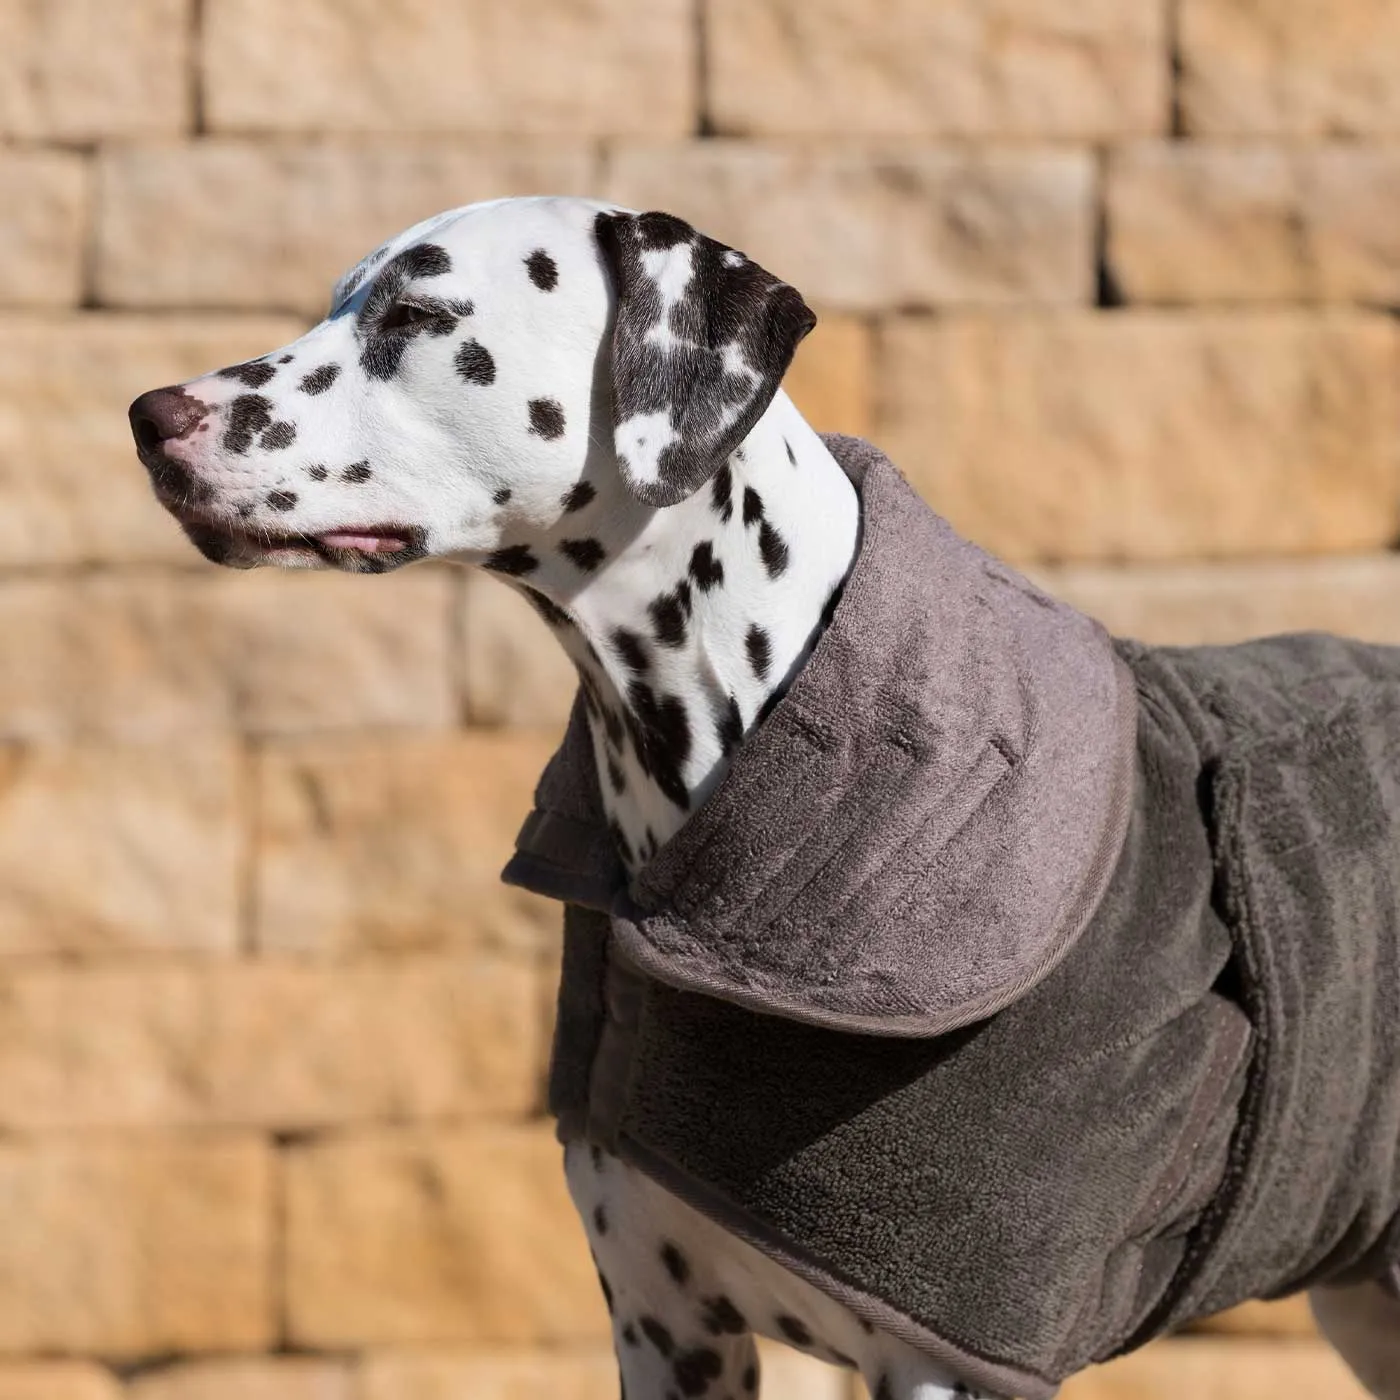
162 414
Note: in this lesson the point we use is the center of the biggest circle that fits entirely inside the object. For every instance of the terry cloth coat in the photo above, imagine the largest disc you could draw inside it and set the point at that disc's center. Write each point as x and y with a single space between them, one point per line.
1028 991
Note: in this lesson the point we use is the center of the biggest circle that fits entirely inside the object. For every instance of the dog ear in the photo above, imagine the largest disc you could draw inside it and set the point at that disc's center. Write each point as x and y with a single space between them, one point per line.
701 340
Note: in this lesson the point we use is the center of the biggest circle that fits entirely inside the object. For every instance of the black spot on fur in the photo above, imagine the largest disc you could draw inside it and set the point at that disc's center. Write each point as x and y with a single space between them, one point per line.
753 506
773 550
884 1390
277 436
722 1318
548 609
695 1369
546 418
792 456
629 1335
794 1329
357 472
381 358
514 559
661 736
595 1154
583 554
254 374
319 380
630 647
675 1263
580 494
730 726
721 493
751 1378
247 414
669 613
501 495
760 650
658 1334
286 359
474 363
422 260
317 473
282 500
613 725
543 270
705 569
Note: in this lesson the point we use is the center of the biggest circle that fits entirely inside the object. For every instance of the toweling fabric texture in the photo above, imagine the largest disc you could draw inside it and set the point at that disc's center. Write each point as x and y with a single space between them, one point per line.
1028 991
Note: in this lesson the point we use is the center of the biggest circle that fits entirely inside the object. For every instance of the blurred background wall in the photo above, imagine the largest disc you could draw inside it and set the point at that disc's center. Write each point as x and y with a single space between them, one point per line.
1115 282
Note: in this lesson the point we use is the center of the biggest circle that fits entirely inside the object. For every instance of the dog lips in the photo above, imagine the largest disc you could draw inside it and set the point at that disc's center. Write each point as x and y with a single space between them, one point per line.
366 544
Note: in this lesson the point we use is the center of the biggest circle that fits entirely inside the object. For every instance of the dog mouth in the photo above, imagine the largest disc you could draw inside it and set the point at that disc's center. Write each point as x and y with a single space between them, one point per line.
360 548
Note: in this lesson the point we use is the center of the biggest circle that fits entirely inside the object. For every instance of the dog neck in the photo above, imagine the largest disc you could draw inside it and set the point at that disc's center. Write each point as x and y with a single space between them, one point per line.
699 620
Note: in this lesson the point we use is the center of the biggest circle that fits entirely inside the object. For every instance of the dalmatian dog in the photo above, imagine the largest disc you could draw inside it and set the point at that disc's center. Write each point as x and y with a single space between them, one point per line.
585 402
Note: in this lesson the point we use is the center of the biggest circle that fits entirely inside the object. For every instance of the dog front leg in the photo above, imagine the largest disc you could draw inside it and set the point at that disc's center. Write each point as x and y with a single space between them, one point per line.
677 1334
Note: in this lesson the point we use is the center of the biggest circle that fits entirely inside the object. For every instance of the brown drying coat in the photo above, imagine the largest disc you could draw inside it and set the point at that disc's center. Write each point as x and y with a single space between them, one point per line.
1028 992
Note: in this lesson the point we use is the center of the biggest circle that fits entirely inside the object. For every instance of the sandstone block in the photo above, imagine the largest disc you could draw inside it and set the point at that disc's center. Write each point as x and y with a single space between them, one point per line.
1291 1317
253 224
489 1375
789 1375
513 670
136 1247
1218 603
600 67
85 71
831 376
979 68
111 849
57 1380
396 843
145 656
456 1237
1191 222
45 198
1305 68
71 489
280 1045
1149 436
867 227
1217 1369
248 1378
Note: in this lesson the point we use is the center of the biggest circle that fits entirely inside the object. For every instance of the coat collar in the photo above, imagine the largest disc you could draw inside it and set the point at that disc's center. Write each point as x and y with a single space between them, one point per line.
921 828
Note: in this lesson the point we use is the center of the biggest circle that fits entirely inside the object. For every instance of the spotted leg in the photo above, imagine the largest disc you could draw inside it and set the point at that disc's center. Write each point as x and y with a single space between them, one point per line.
677 1334
1363 1323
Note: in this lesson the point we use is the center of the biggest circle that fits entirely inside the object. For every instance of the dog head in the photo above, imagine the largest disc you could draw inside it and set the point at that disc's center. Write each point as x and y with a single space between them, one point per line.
479 379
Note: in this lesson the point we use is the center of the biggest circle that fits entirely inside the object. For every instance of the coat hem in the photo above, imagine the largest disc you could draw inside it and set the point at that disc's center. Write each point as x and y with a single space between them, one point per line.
1002 1377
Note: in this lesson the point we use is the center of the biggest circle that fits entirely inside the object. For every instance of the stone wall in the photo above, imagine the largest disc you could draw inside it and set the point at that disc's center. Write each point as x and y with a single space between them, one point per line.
1114 281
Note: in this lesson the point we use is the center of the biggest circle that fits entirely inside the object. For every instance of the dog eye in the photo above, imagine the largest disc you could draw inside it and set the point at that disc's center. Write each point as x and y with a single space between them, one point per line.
404 316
